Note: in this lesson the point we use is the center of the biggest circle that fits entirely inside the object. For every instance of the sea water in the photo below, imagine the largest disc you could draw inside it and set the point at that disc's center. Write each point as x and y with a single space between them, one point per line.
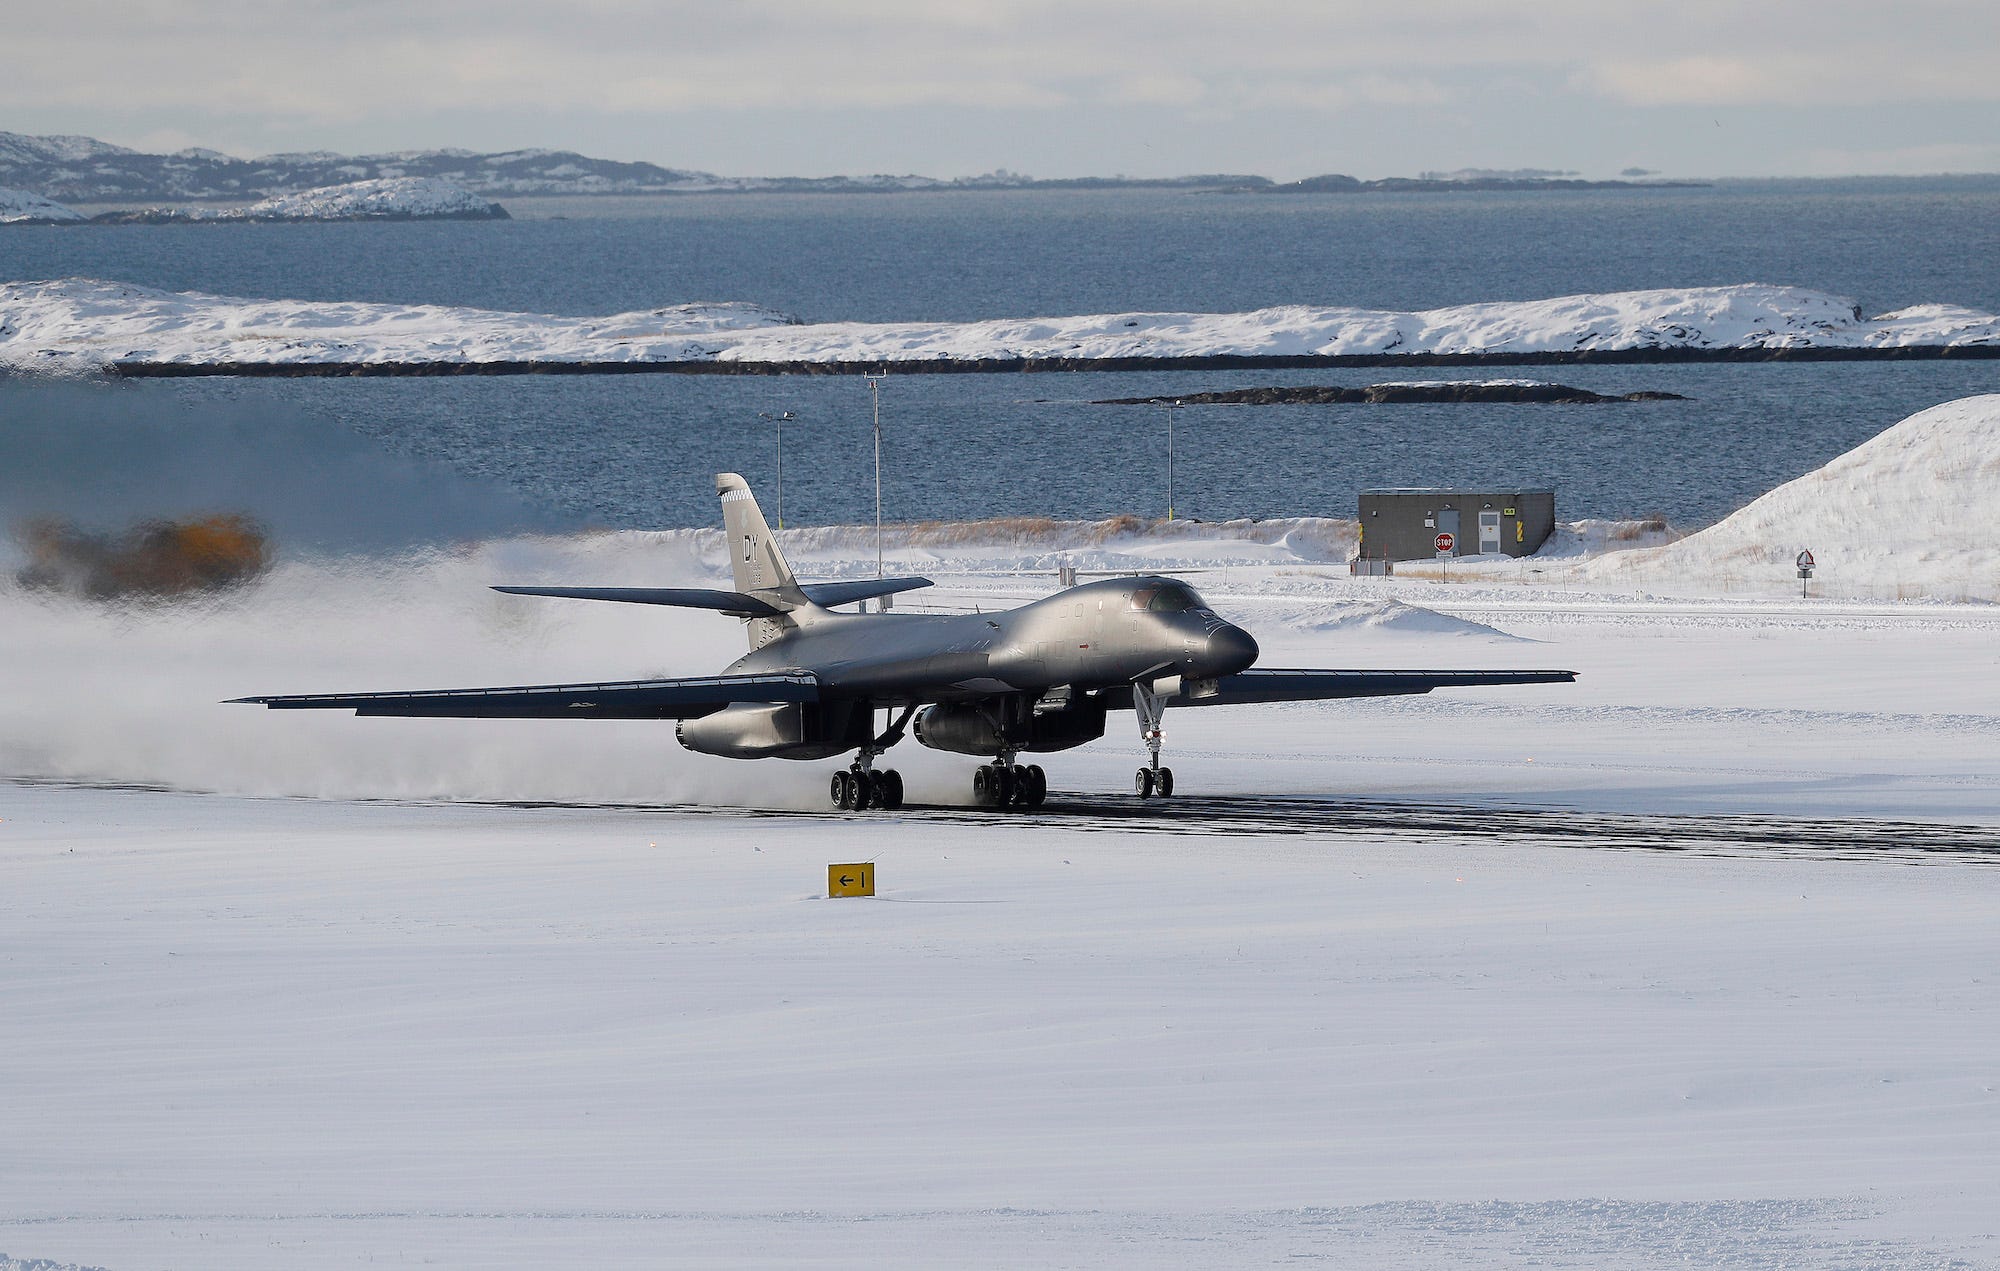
638 451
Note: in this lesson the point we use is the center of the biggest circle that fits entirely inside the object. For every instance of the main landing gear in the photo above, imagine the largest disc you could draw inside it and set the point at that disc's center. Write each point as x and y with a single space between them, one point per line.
1151 708
860 787
1006 784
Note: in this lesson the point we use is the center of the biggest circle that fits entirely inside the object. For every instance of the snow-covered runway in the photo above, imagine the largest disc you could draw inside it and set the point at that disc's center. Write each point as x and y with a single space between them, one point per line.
246 1032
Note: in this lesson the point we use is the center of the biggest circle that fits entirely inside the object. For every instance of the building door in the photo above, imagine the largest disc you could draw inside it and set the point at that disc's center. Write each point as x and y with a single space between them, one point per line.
1489 532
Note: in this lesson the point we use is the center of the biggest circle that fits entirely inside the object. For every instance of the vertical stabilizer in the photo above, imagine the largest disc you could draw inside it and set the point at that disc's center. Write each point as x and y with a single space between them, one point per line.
755 562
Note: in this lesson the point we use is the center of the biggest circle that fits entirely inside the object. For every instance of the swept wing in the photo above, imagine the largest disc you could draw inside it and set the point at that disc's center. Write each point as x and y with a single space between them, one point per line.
741 604
1279 685
619 699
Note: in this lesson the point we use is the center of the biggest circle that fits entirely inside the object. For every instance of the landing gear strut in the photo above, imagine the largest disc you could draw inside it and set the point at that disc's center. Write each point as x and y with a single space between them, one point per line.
859 787
1006 784
1151 708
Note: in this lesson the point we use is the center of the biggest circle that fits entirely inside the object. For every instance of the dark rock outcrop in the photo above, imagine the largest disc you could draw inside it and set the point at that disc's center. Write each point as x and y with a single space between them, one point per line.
1422 393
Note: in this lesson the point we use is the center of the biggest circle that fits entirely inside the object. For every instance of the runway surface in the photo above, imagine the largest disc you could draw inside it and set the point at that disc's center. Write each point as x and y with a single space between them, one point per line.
1854 839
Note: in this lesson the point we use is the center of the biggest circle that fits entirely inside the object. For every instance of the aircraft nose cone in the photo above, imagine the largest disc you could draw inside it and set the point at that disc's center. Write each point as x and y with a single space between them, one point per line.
1230 650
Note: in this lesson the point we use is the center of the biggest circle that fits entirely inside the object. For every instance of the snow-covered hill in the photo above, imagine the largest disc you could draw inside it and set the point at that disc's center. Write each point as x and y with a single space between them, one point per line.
1902 515
47 322
396 198
25 207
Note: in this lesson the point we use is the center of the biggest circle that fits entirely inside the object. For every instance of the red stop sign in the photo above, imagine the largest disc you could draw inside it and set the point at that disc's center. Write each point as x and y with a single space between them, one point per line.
1444 543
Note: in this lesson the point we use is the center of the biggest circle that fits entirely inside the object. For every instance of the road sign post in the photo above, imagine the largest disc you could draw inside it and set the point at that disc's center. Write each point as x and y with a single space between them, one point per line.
1805 563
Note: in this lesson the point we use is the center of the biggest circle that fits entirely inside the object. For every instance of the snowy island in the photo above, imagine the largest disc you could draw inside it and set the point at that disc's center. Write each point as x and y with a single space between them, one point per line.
391 199
77 325
22 207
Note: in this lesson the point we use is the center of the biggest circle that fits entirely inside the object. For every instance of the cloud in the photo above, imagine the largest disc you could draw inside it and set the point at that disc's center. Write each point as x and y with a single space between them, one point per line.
329 70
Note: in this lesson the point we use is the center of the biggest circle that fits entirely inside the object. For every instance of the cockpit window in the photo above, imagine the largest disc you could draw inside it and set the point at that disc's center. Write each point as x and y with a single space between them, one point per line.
1167 598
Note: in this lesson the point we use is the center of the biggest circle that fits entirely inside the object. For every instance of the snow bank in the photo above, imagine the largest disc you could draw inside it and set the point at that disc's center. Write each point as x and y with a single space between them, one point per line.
1387 616
88 318
1903 515
1038 544
18 207
45 324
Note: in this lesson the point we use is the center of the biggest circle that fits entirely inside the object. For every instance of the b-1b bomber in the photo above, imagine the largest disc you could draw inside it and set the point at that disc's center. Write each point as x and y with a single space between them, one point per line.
819 682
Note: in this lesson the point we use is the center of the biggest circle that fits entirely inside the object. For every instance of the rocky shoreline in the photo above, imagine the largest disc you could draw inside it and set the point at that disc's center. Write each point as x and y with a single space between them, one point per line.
1441 391
139 369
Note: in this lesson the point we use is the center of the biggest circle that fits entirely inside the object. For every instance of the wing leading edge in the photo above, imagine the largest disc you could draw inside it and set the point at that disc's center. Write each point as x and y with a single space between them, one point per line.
1277 685
623 699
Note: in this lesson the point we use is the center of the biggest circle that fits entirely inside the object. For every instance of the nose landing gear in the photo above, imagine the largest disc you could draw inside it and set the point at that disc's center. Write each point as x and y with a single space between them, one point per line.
1151 708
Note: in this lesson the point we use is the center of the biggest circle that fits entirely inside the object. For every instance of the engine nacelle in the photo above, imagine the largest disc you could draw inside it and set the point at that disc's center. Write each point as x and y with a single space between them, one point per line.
788 730
966 730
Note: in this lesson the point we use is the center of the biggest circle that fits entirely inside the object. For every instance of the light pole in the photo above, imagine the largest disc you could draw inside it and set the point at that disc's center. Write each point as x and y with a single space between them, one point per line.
1161 401
875 392
779 420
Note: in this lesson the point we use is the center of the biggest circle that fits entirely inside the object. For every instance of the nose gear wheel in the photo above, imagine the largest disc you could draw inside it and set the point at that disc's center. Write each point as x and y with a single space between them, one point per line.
1152 781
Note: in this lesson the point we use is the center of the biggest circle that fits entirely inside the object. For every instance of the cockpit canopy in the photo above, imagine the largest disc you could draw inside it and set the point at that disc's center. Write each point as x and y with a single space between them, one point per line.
1167 598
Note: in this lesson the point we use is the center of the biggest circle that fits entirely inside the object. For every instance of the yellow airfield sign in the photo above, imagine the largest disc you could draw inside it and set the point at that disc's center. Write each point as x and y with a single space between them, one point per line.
851 880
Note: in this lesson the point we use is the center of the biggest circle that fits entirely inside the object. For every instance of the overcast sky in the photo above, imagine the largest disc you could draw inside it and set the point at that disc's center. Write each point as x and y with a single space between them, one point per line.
1076 87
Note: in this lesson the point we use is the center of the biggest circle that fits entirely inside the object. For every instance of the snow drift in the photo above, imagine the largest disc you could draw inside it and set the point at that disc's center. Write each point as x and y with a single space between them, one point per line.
107 321
1902 515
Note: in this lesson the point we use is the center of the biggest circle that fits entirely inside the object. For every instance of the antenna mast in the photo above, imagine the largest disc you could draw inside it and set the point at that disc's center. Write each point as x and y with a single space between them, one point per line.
1170 405
779 420
875 392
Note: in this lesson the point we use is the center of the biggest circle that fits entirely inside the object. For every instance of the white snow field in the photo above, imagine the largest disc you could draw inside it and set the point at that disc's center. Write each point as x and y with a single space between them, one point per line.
81 318
1696 968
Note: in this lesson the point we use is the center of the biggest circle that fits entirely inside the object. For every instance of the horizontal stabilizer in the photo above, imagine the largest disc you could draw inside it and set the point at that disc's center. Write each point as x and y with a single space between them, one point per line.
730 602
626 699
829 594
1275 685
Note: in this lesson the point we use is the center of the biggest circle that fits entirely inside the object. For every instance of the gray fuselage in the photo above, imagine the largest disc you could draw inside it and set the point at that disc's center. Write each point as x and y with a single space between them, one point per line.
1097 635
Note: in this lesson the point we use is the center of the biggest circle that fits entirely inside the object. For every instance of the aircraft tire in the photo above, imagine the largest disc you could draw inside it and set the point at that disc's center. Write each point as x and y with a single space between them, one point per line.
889 793
1165 783
867 793
842 790
1036 786
1142 784
983 791
1008 788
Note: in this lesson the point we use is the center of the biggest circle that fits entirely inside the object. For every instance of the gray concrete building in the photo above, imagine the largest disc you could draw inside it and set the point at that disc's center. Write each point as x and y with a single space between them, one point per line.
1429 524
